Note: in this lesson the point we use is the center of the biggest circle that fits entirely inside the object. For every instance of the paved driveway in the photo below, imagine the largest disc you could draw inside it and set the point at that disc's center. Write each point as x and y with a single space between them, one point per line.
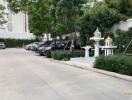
27 76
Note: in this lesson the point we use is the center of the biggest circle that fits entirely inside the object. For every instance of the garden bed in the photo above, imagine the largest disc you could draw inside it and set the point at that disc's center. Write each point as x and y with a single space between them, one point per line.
66 55
119 64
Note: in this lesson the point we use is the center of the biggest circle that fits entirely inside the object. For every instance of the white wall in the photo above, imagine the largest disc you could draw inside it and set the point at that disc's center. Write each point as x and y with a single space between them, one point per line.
18 23
16 26
15 22
123 25
17 35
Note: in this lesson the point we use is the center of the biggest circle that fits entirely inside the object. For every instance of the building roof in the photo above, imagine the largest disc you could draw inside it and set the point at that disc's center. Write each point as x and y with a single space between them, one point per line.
108 40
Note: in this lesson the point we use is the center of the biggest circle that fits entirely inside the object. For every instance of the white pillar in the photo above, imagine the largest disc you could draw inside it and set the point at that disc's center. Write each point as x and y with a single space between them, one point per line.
96 51
109 52
87 51
112 51
105 52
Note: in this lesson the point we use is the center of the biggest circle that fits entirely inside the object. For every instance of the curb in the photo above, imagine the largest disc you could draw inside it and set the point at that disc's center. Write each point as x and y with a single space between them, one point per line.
112 74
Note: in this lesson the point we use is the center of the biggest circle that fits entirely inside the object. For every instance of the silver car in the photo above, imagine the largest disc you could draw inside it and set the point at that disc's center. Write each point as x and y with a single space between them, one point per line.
2 45
31 46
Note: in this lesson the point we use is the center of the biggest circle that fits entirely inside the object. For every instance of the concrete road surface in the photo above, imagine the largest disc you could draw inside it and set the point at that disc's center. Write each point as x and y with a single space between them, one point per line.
26 76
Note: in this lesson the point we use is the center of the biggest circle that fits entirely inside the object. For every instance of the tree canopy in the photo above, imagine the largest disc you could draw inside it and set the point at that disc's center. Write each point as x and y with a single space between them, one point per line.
2 19
64 16
123 6
40 20
49 15
68 12
101 17
38 13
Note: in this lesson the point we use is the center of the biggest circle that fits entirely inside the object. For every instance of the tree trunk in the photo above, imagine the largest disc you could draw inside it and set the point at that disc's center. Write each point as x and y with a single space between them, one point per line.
47 36
72 42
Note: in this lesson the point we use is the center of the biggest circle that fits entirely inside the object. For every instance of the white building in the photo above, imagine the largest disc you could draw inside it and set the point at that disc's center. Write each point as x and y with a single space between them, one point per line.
92 3
16 26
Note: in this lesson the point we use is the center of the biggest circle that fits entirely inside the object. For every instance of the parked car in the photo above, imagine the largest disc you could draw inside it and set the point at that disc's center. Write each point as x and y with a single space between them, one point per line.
30 46
2 45
56 45
41 47
59 45
42 44
34 45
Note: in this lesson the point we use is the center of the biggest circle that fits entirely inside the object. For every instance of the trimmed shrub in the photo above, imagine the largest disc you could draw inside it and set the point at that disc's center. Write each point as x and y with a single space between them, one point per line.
60 55
12 43
77 53
66 55
119 64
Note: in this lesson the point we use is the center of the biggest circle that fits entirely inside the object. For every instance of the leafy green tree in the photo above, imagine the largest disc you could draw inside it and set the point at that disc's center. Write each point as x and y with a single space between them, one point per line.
122 40
67 13
101 17
123 6
18 5
111 3
38 12
57 29
2 19
40 20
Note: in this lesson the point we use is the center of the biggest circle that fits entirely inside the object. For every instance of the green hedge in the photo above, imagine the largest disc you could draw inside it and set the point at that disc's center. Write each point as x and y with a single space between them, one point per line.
11 43
60 55
119 64
66 55
77 53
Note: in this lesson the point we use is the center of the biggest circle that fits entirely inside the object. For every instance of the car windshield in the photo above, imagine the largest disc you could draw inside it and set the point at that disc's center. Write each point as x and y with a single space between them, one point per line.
36 42
41 43
53 43
45 44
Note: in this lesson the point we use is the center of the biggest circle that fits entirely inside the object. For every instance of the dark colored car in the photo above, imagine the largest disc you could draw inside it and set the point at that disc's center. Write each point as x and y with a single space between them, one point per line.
41 47
58 45
2 45
42 44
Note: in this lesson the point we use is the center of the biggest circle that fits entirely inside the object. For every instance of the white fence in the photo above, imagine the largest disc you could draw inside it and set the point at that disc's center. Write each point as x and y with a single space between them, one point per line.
22 36
123 25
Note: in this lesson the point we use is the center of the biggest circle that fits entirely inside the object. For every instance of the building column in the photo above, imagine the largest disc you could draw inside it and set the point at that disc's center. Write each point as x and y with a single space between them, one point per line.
26 26
105 52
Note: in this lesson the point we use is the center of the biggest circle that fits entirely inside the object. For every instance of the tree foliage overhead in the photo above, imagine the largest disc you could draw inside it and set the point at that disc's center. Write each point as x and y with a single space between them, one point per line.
68 12
63 16
2 19
102 17
123 6
18 5
49 15
38 13
123 39
40 20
